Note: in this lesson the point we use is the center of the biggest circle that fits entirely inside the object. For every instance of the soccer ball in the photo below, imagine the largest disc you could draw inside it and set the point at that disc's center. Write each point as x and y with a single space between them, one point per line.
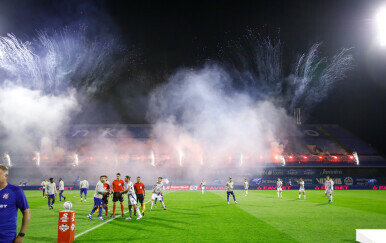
67 205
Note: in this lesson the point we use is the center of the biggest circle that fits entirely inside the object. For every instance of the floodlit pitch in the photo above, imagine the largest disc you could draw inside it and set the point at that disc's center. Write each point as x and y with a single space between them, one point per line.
193 217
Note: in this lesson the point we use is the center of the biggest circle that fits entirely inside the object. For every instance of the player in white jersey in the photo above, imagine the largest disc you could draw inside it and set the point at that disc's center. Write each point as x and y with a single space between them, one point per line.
44 186
279 185
157 193
203 186
61 190
329 184
83 185
132 198
98 197
51 192
246 186
229 186
301 188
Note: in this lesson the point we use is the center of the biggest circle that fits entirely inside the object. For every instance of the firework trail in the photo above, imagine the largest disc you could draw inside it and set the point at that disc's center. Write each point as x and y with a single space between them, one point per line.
257 66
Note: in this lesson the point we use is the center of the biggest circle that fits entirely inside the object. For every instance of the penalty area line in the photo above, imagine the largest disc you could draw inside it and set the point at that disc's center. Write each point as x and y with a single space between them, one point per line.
99 225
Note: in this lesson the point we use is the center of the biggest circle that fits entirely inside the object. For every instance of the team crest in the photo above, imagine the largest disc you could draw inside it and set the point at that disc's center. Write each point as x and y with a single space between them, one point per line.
5 196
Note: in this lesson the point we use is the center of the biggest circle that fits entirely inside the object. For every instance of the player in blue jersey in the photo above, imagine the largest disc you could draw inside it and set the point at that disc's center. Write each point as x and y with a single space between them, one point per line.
12 198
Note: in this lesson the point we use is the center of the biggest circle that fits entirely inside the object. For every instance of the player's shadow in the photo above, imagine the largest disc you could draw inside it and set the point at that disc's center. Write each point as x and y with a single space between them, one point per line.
213 206
322 204
184 212
163 222
170 221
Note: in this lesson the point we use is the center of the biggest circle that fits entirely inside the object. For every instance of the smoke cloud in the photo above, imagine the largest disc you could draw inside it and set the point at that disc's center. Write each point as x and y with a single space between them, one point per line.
201 127
33 121
45 82
212 127
227 118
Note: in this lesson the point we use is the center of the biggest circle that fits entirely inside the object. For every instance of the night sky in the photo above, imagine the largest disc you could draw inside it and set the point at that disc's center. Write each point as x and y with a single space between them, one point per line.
169 35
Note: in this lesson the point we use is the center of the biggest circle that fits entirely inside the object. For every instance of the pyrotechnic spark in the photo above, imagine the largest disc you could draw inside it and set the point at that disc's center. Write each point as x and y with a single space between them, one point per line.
37 158
54 62
180 156
355 154
282 159
152 158
258 66
76 160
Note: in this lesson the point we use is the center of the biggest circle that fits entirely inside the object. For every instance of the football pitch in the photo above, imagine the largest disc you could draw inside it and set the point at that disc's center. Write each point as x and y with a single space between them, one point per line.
193 217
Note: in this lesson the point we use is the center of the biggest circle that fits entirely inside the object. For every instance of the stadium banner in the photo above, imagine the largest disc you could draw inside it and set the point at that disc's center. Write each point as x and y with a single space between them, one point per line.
320 171
177 188
318 180
342 176
66 188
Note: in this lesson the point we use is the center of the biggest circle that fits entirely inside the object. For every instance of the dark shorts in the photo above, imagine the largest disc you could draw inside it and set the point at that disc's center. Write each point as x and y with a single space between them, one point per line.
140 198
105 199
117 196
51 196
83 190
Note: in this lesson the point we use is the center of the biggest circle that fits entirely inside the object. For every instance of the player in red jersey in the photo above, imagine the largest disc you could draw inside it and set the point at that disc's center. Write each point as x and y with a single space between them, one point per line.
106 195
139 188
117 186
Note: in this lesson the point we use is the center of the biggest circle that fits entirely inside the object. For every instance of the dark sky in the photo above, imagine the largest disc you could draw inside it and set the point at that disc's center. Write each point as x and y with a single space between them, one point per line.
170 35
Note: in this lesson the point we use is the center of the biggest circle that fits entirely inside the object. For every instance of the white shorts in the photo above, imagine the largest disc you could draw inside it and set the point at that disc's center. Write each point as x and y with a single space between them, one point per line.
279 189
155 195
302 190
329 191
203 188
246 188
132 199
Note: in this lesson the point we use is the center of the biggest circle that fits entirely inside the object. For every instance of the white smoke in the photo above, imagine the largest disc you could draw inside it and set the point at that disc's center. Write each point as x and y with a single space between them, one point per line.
32 120
45 81
201 127
198 114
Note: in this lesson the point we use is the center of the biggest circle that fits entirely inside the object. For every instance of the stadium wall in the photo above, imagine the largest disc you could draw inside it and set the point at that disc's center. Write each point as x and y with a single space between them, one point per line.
342 176
238 187
313 176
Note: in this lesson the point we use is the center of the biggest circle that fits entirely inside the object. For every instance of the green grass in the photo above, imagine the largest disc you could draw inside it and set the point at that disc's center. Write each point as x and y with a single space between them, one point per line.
192 217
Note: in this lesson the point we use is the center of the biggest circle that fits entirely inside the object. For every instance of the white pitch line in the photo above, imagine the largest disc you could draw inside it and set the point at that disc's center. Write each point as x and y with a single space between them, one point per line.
99 225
